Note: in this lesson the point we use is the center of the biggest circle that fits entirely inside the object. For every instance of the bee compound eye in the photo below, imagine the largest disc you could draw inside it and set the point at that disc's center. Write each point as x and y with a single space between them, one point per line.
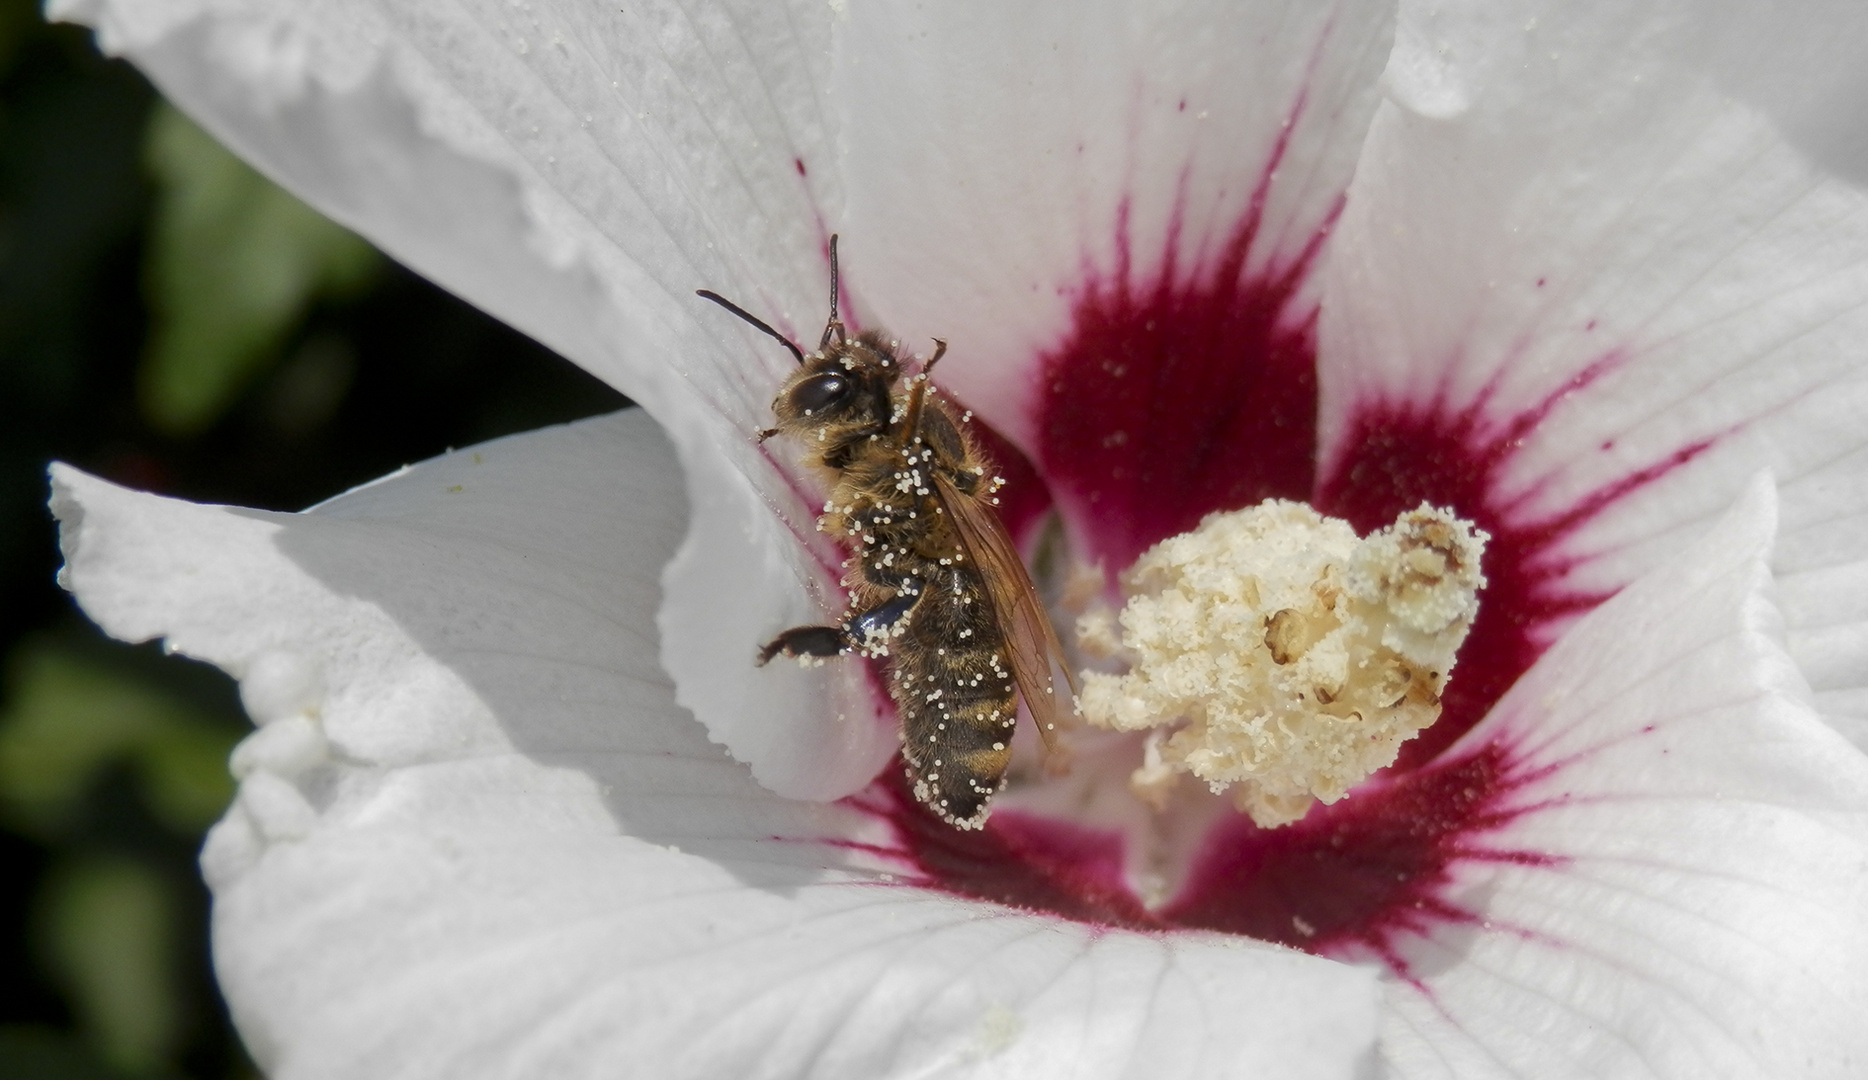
821 393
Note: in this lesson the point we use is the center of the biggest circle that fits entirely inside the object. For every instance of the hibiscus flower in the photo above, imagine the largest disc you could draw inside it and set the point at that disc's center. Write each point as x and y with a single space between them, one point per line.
519 803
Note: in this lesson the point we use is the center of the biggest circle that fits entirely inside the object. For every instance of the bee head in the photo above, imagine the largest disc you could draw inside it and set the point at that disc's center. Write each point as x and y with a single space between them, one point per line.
845 387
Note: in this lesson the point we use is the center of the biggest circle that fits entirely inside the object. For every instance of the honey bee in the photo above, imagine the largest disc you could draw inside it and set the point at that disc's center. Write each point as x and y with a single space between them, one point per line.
937 590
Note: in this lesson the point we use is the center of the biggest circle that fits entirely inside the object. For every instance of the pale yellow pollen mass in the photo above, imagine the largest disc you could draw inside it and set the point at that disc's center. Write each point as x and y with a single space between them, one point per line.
1275 654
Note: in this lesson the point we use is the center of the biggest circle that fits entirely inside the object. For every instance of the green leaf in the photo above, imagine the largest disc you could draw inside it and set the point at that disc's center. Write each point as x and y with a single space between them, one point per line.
69 717
106 932
35 1052
234 262
184 774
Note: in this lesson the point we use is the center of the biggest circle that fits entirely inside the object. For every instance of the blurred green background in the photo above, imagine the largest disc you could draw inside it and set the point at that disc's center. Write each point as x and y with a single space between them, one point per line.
172 321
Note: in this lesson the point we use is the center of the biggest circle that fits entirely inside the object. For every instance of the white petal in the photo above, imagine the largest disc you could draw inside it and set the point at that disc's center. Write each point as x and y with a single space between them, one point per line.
519 857
579 171
474 597
455 934
1675 884
809 733
1003 160
1607 249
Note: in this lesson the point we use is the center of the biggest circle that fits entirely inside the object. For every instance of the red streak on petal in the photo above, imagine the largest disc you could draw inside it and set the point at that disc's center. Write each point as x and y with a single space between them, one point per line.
1399 454
1186 394
1019 860
1360 876
1352 880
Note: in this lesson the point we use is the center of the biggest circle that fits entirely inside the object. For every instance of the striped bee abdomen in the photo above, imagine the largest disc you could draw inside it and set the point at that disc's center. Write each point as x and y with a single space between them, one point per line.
953 683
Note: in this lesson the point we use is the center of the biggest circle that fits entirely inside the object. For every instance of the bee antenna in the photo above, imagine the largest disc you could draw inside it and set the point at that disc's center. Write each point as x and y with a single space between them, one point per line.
833 325
757 323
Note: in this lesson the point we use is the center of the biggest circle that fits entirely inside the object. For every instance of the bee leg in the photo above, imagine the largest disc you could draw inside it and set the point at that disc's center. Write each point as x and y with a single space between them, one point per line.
871 630
911 416
806 641
867 632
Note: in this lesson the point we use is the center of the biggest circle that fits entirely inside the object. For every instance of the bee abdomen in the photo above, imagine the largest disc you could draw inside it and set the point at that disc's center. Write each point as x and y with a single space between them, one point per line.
956 758
958 704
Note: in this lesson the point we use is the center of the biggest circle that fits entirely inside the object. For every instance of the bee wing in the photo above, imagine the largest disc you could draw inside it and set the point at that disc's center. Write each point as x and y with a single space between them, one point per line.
1037 656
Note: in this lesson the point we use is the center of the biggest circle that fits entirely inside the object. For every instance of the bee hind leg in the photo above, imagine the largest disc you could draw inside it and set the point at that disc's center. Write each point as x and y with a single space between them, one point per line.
802 641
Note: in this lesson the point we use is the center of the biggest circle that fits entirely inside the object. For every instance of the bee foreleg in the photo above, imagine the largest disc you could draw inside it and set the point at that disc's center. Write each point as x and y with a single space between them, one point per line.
806 641
867 632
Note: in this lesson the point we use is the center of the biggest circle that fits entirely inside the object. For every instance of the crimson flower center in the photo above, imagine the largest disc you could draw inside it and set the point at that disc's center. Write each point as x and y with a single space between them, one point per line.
1186 389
